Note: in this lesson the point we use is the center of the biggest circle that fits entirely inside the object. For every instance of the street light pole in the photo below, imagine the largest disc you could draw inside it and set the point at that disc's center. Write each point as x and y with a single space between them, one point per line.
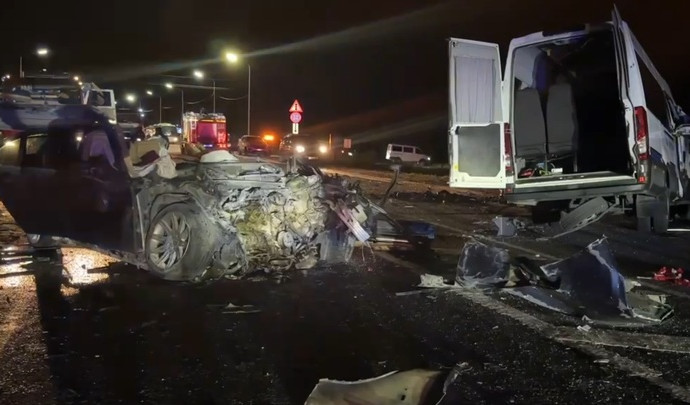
182 93
249 98
21 67
160 108
214 95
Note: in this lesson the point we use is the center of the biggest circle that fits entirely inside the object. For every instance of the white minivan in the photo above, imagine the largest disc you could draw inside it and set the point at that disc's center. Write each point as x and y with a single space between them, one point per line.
581 124
406 154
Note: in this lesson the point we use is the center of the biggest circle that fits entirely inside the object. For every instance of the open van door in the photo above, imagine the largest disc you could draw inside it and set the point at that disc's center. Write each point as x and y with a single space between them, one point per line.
619 40
621 55
476 141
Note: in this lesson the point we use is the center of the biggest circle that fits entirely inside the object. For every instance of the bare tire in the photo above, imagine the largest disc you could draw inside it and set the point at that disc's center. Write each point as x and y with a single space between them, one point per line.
179 243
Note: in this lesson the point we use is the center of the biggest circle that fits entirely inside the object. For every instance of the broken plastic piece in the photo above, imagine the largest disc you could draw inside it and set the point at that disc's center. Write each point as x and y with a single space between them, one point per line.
482 266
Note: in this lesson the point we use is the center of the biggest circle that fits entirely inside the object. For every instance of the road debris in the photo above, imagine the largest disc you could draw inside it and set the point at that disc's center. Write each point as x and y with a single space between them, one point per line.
432 281
240 309
584 328
508 227
587 284
406 387
675 275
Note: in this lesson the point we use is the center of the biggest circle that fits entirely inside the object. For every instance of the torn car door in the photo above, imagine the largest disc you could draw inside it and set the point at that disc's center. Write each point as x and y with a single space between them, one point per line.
29 184
102 213
476 133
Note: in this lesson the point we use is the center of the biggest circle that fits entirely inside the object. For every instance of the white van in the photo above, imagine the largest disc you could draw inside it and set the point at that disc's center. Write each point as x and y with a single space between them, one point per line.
582 124
406 154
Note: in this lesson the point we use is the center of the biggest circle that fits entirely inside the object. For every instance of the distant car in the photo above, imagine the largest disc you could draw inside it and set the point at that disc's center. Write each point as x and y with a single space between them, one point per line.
406 154
252 145
132 132
305 146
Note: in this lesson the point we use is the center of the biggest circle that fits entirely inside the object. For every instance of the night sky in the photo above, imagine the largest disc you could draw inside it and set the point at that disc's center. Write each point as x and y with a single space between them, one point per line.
359 68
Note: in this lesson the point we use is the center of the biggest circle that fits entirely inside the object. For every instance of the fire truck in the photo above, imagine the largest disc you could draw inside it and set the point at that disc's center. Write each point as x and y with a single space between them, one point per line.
205 129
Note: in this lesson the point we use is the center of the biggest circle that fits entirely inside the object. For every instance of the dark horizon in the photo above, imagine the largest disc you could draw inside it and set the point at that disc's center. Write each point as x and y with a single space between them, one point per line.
342 60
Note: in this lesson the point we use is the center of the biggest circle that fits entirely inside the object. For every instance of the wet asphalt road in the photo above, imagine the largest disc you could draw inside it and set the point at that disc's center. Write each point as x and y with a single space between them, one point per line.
81 328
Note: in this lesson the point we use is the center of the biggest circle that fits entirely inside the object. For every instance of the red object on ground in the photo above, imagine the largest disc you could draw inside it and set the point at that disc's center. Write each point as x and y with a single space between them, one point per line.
677 276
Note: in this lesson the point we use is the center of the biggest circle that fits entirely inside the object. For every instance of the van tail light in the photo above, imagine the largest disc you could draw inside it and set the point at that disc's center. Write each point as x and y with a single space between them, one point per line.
642 143
508 150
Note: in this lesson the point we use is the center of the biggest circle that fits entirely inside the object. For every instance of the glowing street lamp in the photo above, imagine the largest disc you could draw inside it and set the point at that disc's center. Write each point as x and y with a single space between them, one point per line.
198 74
76 78
170 86
233 57
149 92
131 98
42 51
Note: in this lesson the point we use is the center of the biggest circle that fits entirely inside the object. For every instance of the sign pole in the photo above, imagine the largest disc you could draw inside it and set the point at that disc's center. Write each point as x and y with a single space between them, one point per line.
295 116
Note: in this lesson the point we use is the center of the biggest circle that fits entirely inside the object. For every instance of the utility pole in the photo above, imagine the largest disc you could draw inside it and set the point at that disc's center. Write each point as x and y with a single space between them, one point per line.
214 95
249 98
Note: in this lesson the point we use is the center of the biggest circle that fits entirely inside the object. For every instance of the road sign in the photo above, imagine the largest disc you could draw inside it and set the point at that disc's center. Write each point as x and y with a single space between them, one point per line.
295 117
296 107
295 128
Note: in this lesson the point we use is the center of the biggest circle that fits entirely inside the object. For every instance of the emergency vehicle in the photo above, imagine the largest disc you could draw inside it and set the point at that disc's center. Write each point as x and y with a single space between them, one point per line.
205 129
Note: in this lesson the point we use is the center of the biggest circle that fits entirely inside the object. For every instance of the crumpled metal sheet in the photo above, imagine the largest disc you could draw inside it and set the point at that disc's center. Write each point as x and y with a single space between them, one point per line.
585 284
592 282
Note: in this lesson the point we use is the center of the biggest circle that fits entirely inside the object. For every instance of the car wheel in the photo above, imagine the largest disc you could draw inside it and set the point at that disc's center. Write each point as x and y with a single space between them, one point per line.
178 243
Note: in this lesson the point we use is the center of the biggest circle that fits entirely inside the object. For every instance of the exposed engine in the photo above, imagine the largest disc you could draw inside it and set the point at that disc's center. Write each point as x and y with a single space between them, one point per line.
277 227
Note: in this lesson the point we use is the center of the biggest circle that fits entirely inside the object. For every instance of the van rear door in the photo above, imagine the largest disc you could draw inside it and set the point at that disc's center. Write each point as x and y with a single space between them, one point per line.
476 141
622 51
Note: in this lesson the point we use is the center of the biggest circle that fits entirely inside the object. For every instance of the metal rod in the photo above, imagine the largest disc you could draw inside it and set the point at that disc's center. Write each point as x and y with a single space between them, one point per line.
214 95
160 108
21 67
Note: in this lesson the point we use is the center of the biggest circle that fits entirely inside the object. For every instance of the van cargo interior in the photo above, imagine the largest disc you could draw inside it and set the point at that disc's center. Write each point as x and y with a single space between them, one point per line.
567 116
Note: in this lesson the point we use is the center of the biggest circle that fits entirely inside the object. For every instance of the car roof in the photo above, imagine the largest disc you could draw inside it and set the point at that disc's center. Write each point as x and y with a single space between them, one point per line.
400 144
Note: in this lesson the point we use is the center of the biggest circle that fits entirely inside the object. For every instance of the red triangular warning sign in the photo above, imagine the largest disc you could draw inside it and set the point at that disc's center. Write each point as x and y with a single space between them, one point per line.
296 107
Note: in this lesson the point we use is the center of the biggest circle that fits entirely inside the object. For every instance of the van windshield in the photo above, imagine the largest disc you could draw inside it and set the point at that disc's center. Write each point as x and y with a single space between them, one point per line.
567 112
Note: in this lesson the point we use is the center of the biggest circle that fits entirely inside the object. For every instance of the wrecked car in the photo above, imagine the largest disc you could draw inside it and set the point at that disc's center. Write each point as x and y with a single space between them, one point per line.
68 179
